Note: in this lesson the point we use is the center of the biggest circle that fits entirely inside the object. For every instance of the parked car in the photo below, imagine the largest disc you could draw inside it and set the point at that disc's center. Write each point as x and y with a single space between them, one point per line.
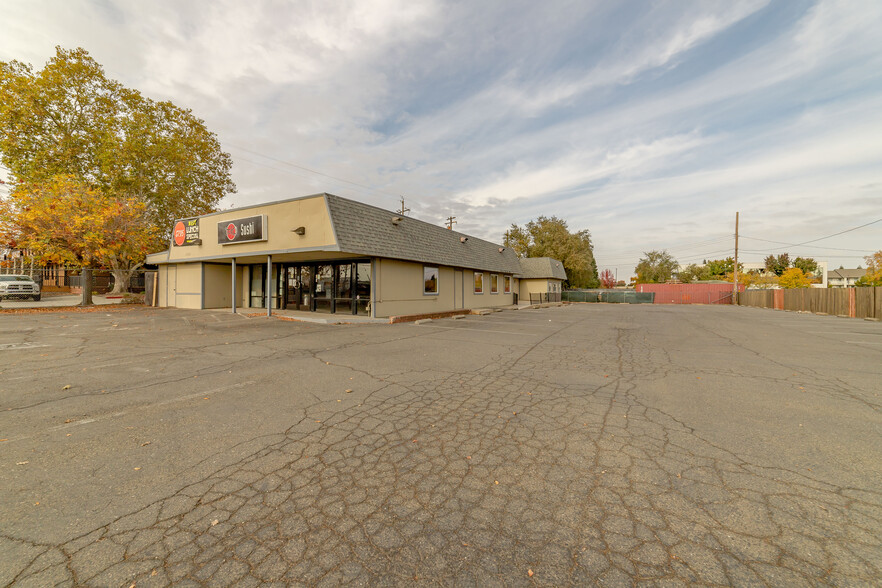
18 287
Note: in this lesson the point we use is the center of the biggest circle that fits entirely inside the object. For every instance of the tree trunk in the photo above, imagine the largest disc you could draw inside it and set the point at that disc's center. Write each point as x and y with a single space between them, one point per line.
121 279
86 283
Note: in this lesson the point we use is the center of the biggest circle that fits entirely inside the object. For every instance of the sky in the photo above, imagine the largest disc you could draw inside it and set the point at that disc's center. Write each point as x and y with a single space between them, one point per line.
648 123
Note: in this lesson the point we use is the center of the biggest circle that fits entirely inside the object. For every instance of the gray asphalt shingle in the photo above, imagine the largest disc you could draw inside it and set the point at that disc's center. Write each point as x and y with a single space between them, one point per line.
367 230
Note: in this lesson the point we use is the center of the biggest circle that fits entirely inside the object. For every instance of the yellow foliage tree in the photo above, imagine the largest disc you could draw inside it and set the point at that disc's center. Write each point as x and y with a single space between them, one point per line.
794 278
66 221
873 277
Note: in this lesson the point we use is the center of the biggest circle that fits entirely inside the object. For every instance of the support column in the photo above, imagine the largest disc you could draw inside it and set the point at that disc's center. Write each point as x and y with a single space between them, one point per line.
233 285
269 283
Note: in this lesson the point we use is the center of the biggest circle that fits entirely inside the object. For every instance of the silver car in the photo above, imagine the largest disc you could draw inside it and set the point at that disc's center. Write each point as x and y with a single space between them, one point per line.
18 287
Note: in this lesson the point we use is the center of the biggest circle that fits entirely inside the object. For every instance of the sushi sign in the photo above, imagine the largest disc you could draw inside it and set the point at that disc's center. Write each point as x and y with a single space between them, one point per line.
242 230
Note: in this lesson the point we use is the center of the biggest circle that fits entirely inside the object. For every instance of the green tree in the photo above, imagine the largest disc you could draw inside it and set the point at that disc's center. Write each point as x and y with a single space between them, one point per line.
691 273
550 237
655 267
70 119
808 265
777 265
794 278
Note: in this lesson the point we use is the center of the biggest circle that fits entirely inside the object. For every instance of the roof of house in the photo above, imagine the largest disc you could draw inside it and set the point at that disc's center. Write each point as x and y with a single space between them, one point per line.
542 267
846 273
367 230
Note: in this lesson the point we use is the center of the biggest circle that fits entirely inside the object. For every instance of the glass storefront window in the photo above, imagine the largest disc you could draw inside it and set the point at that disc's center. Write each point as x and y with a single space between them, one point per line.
343 296
363 288
324 287
506 281
494 284
479 283
258 279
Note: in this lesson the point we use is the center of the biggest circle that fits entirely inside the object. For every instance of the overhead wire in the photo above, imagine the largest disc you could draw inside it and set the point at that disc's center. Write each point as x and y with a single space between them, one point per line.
312 171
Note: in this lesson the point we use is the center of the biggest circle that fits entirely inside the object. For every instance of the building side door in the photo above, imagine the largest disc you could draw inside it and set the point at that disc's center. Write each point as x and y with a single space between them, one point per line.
171 286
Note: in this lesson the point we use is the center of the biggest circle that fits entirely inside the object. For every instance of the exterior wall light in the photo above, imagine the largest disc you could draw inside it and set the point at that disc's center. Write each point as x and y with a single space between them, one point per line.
299 230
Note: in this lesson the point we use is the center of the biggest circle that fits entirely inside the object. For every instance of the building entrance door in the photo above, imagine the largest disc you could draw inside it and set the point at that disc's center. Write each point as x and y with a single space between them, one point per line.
297 287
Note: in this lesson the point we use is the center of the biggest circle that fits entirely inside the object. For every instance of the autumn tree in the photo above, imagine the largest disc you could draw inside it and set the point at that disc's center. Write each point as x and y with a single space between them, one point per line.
794 278
607 279
655 267
64 220
873 277
550 237
70 119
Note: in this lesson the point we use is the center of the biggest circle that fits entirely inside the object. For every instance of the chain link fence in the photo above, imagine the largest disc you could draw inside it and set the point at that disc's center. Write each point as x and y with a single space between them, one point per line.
610 296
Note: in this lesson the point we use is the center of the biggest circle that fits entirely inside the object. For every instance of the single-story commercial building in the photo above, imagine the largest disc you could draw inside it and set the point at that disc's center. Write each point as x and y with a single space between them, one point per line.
324 253
541 279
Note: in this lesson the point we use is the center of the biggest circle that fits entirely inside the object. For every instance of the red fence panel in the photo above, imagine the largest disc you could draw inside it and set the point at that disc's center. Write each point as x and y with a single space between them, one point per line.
690 293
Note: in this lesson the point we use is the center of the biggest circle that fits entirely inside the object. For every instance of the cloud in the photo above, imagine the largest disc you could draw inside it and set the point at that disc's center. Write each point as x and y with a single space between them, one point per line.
648 124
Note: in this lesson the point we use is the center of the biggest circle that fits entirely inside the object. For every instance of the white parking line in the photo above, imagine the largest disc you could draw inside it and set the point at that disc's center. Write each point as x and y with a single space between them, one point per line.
468 329
11 346
114 415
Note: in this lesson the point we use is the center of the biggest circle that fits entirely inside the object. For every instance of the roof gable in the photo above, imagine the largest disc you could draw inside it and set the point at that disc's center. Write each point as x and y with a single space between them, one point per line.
542 267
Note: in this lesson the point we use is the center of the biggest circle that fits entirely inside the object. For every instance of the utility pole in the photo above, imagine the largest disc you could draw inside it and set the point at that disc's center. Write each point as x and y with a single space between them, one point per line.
451 220
735 268
403 210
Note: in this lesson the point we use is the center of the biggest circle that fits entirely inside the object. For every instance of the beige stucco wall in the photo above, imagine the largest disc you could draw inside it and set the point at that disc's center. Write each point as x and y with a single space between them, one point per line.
537 286
485 300
162 294
399 290
187 286
282 217
218 286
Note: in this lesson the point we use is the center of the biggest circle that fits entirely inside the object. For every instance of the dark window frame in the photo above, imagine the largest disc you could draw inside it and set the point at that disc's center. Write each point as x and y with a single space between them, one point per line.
437 280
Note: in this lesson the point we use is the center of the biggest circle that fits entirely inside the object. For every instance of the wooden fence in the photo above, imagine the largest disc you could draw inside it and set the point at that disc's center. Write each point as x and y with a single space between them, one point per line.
850 302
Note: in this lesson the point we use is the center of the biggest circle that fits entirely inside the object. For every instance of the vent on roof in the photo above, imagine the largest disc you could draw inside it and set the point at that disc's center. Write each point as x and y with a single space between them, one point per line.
463 239
501 249
397 219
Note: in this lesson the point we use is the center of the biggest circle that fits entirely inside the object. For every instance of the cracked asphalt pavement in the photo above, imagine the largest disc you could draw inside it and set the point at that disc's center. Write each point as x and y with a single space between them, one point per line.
585 444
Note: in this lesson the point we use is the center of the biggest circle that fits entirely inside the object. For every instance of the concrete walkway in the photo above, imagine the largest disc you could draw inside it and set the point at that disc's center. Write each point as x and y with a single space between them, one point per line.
309 317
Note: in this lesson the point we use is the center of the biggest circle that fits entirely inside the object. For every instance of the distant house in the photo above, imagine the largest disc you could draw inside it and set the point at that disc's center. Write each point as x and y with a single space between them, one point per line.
844 278
541 279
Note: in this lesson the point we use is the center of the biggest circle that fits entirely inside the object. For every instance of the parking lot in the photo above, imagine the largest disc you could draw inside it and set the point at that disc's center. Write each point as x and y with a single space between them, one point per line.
589 443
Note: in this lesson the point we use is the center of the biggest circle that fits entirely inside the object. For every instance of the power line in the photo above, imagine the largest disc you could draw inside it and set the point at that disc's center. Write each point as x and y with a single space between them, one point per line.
833 235
812 246
312 171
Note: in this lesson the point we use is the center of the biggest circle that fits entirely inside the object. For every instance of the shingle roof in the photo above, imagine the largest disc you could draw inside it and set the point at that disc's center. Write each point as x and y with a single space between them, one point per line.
846 273
542 267
368 230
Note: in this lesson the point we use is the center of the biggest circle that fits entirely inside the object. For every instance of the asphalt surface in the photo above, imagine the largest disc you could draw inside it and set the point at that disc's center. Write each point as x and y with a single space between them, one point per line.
586 444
